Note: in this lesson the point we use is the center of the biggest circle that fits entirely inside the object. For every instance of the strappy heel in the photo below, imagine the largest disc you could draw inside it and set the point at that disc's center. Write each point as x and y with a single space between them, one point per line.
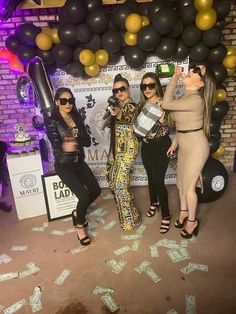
185 234
85 240
165 226
74 219
152 209
179 224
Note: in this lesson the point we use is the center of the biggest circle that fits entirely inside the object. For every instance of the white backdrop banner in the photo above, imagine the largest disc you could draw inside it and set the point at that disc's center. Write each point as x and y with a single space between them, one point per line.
91 99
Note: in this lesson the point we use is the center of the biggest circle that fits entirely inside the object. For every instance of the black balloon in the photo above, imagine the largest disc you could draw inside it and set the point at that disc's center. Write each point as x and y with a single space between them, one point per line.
184 3
74 68
46 56
134 57
177 30
164 20
75 11
214 144
83 33
167 48
181 52
148 39
12 43
26 53
77 51
27 33
42 85
120 14
191 35
114 58
217 135
217 54
112 41
211 37
222 8
67 34
98 21
62 54
215 181
220 72
133 5
94 4
220 110
154 7
95 43
221 24
143 8
188 14
198 52
214 126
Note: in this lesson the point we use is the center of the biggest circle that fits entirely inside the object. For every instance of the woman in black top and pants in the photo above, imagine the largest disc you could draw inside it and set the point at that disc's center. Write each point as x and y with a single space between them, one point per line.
68 136
154 151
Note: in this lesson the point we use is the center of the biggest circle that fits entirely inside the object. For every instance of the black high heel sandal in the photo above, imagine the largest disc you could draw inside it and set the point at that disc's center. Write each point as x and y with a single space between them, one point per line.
179 224
165 226
85 240
74 219
185 234
152 211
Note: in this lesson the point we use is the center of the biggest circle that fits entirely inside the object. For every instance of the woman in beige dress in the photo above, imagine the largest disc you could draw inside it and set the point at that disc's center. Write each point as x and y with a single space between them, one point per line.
191 114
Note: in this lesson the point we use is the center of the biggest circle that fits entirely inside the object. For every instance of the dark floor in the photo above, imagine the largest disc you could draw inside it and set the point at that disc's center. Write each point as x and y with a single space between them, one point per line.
214 291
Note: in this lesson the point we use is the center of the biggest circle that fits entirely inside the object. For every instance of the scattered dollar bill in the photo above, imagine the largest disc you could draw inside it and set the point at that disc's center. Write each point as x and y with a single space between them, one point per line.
32 266
1 307
108 196
4 258
178 255
135 245
110 225
131 237
117 267
93 204
154 251
92 224
122 250
31 269
152 274
102 290
70 230
45 225
184 253
97 212
192 240
190 304
109 302
40 229
187 269
144 265
66 219
92 233
172 311
19 248
35 300
170 244
8 276
184 243
62 277
200 267
141 229
57 232
25 273
15 307
101 220
103 213
78 250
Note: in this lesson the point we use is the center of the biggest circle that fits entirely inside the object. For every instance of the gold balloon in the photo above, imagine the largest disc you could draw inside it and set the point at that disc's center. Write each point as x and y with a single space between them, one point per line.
229 61
230 72
220 151
145 21
203 4
206 19
130 39
92 70
54 35
87 57
44 41
47 30
101 57
220 94
133 23
231 50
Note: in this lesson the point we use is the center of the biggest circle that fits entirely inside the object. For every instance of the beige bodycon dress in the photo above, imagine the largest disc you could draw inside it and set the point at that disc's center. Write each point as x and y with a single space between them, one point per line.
193 147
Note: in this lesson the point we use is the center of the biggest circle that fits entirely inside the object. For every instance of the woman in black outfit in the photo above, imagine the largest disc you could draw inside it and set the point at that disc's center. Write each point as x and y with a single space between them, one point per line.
154 151
68 136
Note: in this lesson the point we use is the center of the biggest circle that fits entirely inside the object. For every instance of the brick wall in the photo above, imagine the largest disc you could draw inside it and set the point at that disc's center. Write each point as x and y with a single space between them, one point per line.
12 112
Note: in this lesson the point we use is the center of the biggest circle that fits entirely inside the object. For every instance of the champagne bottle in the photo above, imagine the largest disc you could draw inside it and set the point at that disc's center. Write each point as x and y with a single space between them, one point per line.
165 70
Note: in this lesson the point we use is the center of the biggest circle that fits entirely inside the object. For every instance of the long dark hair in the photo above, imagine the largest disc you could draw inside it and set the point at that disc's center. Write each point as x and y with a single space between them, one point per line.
159 90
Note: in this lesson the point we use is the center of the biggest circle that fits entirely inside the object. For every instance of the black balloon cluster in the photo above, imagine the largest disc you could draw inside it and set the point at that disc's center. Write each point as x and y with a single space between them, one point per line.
170 30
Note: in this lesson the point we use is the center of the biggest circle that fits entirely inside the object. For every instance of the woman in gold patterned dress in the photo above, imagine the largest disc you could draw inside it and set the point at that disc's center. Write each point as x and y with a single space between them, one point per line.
122 154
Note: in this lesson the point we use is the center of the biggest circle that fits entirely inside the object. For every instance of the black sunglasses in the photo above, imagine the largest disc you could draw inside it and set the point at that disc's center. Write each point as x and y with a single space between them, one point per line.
120 89
196 69
150 86
64 101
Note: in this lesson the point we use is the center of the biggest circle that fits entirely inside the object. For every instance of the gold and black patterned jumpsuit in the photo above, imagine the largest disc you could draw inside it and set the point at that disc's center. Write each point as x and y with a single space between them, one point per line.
120 165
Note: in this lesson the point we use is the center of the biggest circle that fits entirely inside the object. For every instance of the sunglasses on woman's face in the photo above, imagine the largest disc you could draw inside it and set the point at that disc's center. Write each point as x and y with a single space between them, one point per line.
196 69
64 101
150 86
120 89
